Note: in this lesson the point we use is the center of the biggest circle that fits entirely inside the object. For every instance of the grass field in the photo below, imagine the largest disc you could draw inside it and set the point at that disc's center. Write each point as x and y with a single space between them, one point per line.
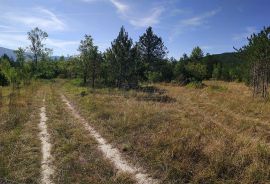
19 145
217 134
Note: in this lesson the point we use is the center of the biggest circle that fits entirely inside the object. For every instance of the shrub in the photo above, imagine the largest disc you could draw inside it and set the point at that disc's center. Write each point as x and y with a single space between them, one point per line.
3 80
154 76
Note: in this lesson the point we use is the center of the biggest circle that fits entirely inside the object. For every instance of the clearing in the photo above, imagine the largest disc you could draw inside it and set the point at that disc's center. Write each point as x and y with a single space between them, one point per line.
217 134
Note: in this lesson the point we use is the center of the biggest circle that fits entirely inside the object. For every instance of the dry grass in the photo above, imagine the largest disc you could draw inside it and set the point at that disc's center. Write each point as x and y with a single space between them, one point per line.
76 157
19 144
217 134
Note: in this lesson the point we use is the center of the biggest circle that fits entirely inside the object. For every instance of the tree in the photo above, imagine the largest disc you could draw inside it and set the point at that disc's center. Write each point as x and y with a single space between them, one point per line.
120 59
152 50
4 66
137 72
180 72
257 53
5 57
37 47
191 69
217 71
196 71
9 73
20 54
197 54
89 59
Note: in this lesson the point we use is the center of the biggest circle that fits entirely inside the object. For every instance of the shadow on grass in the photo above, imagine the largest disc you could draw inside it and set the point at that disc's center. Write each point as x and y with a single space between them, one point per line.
156 98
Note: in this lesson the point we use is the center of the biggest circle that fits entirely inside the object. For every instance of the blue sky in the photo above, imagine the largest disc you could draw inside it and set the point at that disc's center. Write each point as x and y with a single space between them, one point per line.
214 25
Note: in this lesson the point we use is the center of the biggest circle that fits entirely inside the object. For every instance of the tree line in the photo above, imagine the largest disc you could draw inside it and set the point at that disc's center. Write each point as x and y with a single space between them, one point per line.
127 63
257 54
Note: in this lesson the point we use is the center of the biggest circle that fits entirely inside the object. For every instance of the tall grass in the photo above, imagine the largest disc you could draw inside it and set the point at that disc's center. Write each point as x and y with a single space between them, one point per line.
76 156
202 136
19 155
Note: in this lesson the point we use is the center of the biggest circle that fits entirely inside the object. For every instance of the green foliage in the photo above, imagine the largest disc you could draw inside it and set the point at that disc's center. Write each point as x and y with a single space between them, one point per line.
37 47
89 61
3 79
4 67
20 54
123 61
217 71
9 74
126 63
196 71
226 66
191 69
196 54
256 53
152 50
47 69
154 76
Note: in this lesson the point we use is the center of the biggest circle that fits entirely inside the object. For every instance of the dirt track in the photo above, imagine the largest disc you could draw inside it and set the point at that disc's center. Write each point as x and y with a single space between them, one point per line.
111 153
46 169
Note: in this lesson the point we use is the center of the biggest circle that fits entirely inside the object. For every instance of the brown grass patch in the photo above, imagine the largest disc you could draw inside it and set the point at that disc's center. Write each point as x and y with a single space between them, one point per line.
203 137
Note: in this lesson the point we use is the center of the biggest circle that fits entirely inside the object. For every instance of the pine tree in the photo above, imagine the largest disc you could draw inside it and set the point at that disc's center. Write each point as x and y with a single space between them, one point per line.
196 54
257 53
152 50
120 58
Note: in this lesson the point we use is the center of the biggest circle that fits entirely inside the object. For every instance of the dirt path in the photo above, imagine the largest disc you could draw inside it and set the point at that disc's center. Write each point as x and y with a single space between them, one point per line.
111 153
46 169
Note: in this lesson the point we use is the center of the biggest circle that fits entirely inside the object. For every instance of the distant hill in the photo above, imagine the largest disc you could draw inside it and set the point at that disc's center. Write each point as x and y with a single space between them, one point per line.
11 54
229 58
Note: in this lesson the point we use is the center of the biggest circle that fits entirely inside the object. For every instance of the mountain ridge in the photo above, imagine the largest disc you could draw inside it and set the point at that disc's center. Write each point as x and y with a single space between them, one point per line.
12 55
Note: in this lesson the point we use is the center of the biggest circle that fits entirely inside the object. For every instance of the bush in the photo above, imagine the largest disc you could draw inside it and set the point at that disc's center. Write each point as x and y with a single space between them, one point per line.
154 76
197 71
3 80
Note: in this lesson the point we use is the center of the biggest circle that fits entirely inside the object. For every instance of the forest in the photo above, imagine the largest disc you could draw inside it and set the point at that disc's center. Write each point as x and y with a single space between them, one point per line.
126 64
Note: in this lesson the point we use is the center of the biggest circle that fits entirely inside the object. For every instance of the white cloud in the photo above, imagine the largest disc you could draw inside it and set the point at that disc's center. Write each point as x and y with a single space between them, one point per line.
248 31
148 20
13 41
38 17
199 20
121 7
191 23
4 27
177 11
60 43
60 47
15 22
127 13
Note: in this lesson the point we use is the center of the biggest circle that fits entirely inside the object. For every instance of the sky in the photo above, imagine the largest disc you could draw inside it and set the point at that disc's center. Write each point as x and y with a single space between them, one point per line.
215 25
